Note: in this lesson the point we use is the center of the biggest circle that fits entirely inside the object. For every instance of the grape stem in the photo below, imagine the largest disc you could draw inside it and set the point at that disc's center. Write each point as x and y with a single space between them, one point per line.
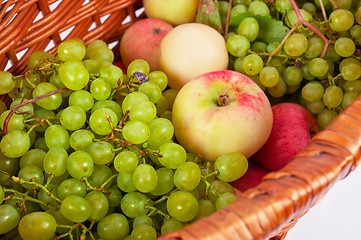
24 197
302 21
22 181
12 111
156 210
101 187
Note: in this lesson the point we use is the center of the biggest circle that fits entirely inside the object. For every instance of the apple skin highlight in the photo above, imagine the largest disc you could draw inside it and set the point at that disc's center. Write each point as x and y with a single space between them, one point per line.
206 127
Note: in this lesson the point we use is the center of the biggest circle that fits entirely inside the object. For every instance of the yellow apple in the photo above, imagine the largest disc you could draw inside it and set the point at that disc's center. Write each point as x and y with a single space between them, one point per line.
174 12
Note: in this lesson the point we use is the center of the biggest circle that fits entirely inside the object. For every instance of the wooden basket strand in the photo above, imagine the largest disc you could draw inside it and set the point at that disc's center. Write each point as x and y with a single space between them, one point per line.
267 211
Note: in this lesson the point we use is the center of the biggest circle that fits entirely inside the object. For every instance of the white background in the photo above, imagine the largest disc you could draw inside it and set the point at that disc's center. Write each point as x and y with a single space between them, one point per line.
337 216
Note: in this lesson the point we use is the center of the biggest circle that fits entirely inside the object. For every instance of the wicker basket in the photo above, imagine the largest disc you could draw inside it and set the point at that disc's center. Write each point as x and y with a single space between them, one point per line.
267 211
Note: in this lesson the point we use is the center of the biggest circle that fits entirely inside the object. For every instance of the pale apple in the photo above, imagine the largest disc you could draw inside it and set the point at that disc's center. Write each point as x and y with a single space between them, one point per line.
190 50
142 41
175 12
221 112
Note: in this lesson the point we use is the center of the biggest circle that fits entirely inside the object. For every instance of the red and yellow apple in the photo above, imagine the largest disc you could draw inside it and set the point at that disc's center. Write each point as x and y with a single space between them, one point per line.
221 112
190 50
142 41
174 12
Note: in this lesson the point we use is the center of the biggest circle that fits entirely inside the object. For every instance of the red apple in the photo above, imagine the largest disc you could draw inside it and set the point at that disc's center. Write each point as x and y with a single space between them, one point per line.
142 41
250 179
121 65
221 112
291 133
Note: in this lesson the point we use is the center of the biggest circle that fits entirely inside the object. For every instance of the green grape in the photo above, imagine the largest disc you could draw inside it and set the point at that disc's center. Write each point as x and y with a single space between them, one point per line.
331 54
133 99
15 144
173 155
333 96
220 187
112 74
80 164
31 174
167 115
99 205
144 232
170 94
114 196
205 208
161 131
55 80
165 181
170 225
318 67
71 50
237 9
143 219
238 65
133 204
136 132
279 90
350 69
101 152
71 186
237 45
355 31
152 90
16 122
44 196
7 83
158 78
56 136
315 107
271 47
313 91
74 75
292 75
125 182
325 117
138 65
36 58
40 144
291 18
100 175
8 165
278 63
96 44
32 79
341 20
3 107
231 166
259 47
75 208
100 89
144 111
145 178
283 6
296 45
49 103
348 98
182 206
55 161
354 86
306 73
103 120
315 47
258 8
358 15
81 139
37 225
26 111
223 7
269 76
73 118
113 226
344 47
112 105
2 195
258 82
252 64
81 98
126 161
60 219
162 105
9 218
248 28
225 200
187 176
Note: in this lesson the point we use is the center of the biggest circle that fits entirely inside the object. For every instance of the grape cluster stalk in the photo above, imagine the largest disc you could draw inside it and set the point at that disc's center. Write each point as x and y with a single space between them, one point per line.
88 151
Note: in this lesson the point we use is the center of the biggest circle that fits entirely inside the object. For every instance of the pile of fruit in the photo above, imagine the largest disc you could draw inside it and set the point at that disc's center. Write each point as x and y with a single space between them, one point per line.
209 96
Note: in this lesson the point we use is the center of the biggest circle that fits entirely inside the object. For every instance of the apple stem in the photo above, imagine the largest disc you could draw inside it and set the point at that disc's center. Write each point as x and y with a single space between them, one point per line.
222 100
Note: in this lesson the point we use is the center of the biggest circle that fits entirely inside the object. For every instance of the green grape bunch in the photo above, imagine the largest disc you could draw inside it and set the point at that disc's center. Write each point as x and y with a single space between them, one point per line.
307 52
88 151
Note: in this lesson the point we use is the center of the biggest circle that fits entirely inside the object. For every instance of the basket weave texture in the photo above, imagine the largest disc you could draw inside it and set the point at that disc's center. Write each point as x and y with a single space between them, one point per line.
267 211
